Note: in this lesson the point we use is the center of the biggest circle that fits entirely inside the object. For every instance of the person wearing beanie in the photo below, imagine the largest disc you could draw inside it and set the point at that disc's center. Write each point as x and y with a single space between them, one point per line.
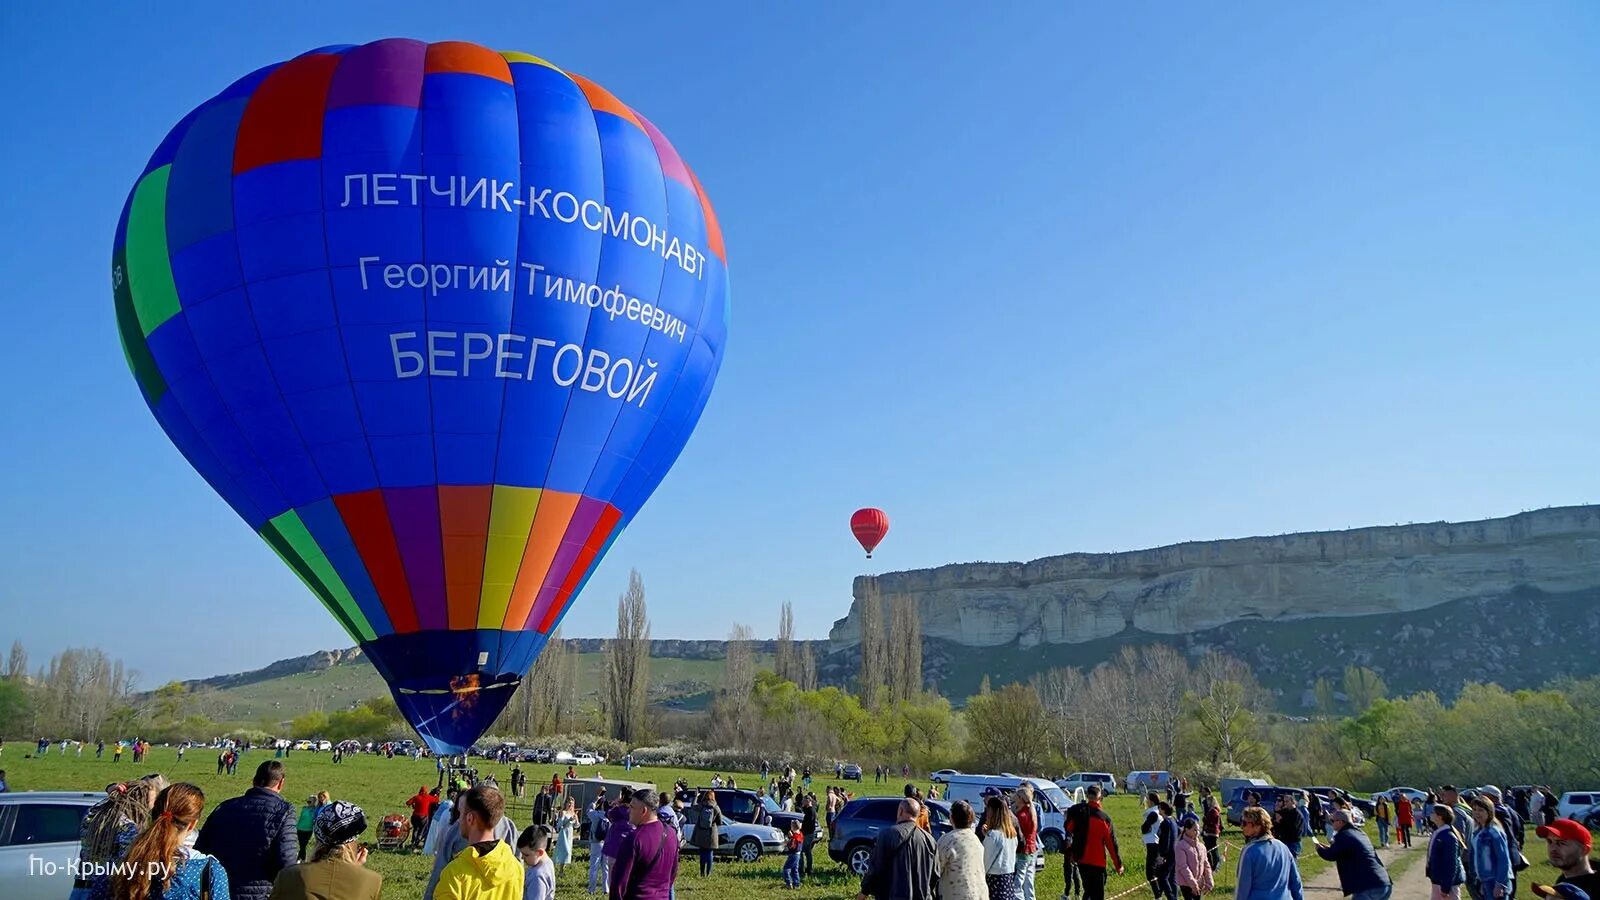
338 867
1568 844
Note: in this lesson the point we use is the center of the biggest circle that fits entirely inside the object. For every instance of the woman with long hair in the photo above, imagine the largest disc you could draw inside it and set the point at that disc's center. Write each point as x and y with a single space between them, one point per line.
111 825
1000 850
160 864
960 853
1445 870
337 870
1491 853
707 826
566 824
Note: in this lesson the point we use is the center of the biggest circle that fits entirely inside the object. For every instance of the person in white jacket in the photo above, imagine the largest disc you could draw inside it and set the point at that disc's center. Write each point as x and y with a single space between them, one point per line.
961 858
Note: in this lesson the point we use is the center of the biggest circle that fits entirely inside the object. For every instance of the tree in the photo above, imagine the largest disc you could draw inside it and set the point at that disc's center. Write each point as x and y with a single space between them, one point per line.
730 712
1221 710
806 670
16 708
1327 702
1362 688
628 665
874 658
785 663
17 664
904 645
1013 733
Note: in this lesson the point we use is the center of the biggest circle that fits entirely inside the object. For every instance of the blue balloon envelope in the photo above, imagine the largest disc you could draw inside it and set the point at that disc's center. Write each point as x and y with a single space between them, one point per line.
435 321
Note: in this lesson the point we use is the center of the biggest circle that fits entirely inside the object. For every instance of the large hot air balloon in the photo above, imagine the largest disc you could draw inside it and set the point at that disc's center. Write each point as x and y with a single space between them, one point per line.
435 321
869 525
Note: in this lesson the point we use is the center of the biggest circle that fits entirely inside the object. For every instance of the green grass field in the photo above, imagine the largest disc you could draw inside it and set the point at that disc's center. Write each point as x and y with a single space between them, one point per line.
380 786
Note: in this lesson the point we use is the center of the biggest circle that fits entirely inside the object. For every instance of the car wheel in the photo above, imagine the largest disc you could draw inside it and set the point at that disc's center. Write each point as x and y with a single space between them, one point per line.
1051 842
748 850
860 859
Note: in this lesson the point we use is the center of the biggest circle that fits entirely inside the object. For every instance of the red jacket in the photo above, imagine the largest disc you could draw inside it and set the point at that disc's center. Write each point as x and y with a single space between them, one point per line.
1094 841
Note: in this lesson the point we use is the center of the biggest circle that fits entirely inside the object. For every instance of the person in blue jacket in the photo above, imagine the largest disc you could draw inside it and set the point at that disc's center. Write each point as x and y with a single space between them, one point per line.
1445 869
1491 853
1361 874
1267 870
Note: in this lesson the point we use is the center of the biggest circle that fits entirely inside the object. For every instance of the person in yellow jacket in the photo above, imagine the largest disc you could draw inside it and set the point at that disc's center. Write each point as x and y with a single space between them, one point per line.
488 868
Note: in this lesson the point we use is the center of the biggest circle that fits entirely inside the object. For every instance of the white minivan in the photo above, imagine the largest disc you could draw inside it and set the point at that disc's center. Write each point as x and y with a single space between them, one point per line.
1574 802
1052 801
1103 780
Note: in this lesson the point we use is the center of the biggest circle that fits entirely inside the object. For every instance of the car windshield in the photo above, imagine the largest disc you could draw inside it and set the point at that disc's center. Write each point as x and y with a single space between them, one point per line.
1057 796
770 805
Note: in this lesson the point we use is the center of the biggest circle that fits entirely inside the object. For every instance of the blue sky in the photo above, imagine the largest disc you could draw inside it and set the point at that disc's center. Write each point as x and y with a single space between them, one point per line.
1034 279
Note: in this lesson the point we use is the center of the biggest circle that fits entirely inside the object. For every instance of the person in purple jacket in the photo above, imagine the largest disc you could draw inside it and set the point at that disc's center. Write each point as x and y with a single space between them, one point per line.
647 859
619 827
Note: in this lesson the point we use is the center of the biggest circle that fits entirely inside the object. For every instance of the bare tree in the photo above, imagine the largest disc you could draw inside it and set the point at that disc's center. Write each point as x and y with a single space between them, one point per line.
1165 674
874 659
785 662
628 665
806 669
731 711
17 665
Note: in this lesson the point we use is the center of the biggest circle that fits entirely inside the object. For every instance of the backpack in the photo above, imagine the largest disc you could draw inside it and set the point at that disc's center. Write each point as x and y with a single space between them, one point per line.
601 829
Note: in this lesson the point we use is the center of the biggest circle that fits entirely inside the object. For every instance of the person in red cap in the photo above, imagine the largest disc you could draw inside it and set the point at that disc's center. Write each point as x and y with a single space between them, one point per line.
1568 843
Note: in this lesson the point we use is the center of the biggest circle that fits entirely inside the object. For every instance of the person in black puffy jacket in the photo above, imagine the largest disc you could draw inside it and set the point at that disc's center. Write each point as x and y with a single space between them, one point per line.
253 835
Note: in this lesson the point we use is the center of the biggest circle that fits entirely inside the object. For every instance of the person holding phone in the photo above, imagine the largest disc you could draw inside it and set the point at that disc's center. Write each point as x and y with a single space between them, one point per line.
338 868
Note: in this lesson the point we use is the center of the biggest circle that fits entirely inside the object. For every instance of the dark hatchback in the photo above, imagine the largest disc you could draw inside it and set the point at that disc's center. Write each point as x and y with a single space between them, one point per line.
860 821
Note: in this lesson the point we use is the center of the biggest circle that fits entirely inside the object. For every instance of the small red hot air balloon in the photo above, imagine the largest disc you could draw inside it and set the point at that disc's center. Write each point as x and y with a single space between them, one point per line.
869 525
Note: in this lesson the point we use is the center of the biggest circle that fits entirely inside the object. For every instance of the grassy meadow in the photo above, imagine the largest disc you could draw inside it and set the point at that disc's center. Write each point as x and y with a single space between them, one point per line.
380 786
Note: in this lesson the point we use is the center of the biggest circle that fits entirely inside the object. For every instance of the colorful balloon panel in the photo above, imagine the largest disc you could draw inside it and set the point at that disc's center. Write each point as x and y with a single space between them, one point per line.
435 321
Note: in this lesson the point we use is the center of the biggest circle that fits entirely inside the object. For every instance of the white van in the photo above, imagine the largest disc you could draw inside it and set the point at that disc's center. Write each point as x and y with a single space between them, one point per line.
1053 802
1574 802
1146 781
1105 781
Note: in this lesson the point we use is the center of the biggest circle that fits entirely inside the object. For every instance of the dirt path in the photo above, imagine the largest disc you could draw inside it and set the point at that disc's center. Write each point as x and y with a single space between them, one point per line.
1409 885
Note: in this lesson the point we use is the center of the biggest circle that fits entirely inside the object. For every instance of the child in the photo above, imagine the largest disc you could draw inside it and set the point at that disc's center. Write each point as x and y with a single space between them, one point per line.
793 843
539 880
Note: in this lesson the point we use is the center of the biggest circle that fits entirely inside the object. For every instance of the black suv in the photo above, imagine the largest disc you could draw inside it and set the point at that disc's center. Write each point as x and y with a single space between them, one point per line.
1269 799
741 805
860 821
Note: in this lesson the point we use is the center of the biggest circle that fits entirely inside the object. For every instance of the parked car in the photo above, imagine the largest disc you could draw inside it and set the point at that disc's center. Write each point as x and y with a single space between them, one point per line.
1142 782
1104 780
325 746
861 819
740 840
1268 799
1574 802
584 759
852 772
1408 792
1332 795
42 825
941 776
1589 818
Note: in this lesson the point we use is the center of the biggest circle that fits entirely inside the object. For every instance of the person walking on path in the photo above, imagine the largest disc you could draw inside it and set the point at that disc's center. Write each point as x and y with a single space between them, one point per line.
1361 874
1491 853
1403 819
904 864
485 867
1445 871
1094 844
1191 862
1000 850
647 858
960 856
253 835
1267 870
1381 815
337 871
